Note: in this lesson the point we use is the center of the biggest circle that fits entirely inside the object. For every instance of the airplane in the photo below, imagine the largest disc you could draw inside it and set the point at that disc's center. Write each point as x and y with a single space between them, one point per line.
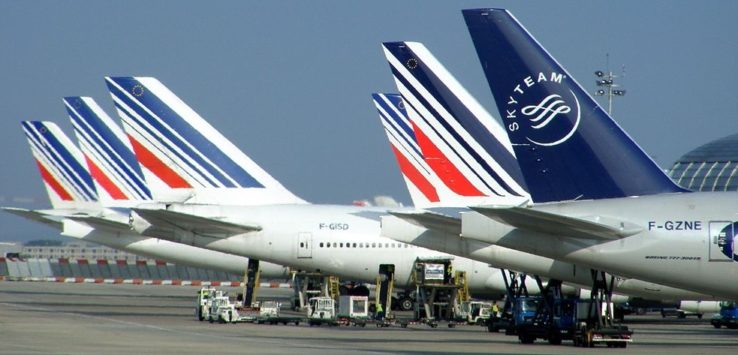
331 239
597 199
78 212
453 127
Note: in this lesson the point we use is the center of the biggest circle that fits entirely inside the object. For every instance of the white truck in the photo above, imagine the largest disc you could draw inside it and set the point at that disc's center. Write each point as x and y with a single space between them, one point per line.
321 310
353 310
204 298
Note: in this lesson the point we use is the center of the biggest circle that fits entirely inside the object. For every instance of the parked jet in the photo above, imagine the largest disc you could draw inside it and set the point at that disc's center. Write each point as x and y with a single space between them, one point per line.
176 144
435 92
600 201
77 211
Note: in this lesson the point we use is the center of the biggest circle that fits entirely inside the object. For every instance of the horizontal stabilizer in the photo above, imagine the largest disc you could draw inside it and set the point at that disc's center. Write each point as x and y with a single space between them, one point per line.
594 227
207 227
35 216
103 223
431 220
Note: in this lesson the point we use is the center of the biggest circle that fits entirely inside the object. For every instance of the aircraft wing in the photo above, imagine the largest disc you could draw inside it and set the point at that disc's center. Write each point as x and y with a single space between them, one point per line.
431 220
204 226
551 223
35 216
100 222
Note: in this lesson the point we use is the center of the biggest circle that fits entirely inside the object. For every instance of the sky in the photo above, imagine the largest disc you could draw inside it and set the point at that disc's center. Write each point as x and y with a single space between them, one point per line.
289 82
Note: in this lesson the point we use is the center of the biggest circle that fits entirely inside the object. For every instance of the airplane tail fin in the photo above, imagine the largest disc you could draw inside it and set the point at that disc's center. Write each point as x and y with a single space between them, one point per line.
68 184
110 159
405 148
460 141
178 149
567 146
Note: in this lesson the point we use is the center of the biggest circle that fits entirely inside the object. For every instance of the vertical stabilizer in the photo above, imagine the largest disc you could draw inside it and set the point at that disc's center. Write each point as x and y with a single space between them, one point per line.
178 149
61 165
106 149
567 146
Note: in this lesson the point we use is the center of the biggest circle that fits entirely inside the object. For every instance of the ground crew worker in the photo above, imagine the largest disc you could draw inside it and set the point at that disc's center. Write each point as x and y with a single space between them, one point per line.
495 309
380 311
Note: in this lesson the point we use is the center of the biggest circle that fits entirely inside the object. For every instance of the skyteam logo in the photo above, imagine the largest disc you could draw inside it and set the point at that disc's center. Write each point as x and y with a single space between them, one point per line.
546 110
726 240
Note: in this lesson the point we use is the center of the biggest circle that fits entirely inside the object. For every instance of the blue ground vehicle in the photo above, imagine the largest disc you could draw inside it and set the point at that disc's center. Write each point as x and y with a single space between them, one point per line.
727 317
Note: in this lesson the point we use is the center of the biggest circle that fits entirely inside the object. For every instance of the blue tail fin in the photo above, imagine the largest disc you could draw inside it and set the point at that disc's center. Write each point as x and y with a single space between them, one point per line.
567 146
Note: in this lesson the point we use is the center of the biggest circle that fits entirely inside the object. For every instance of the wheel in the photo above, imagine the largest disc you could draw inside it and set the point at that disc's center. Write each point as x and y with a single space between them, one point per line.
699 316
406 304
554 340
526 339
451 325
297 322
716 325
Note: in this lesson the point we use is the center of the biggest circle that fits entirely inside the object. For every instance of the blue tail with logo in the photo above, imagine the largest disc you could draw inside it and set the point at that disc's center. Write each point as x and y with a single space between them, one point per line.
567 146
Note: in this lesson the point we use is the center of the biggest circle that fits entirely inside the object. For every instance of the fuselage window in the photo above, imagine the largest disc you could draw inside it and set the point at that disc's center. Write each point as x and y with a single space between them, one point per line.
380 245
341 245
354 245
374 245
334 245
321 244
327 245
386 245
302 245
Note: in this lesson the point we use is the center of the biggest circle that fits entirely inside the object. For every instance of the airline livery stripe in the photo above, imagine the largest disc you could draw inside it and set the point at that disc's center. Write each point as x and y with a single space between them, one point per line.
151 162
63 160
415 176
159 133
449 174
109 148
104 181
199 148
55 185
419 132
417 159
413 145
457 138
390 107
458 111
125 180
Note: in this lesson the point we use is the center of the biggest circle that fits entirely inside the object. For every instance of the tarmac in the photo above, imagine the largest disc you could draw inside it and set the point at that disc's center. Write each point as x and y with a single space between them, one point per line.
59 318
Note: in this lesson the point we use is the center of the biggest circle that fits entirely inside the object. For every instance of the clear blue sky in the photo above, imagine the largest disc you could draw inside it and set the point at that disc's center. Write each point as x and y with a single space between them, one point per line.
289 82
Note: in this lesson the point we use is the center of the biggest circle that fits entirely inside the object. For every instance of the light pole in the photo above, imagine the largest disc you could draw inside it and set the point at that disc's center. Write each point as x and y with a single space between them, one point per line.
606 80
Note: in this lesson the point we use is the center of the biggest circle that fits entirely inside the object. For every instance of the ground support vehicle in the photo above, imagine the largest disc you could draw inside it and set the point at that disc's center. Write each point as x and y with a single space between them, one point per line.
321 310
727 317
439 291
270 313
203 303
475 312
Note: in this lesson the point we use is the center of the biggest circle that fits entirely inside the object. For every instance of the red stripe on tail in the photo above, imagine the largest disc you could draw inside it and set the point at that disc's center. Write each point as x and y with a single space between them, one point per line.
445 170
51 181
151 162
415 176
104 181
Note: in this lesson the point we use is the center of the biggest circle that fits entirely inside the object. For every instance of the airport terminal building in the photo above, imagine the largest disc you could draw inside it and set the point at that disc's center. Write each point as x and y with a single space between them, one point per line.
710 167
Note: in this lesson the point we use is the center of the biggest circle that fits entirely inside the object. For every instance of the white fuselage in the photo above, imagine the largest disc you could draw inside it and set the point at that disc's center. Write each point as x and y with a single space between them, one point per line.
337 240
160 249
679 245
531 264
